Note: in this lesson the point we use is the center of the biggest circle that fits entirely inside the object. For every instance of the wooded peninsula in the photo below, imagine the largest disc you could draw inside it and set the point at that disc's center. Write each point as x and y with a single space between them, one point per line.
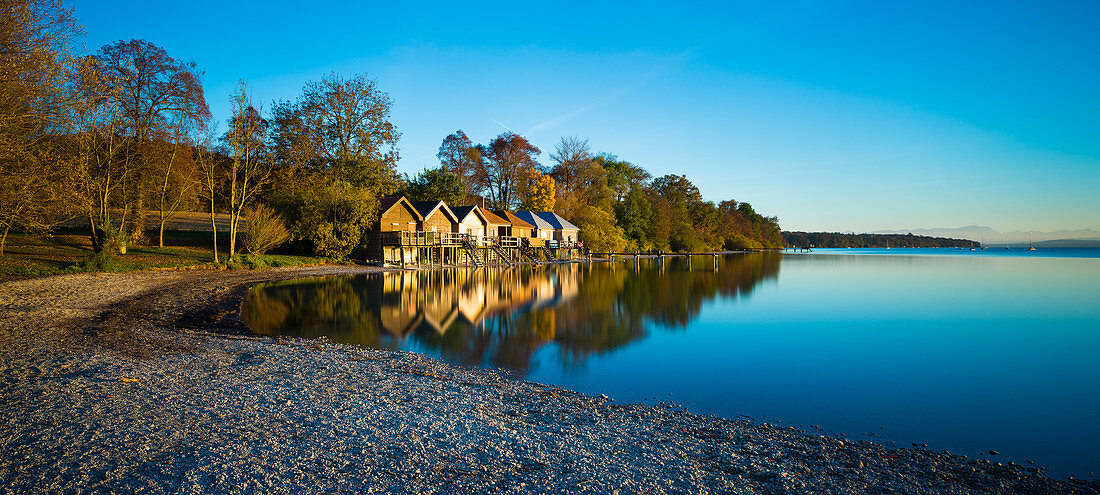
838 240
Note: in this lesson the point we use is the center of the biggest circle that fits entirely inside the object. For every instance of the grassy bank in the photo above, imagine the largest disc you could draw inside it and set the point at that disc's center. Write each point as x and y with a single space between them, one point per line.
69 251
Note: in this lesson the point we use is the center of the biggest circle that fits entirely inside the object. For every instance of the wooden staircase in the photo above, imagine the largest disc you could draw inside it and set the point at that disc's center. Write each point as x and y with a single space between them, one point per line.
501 253
472 252
550 254
529 253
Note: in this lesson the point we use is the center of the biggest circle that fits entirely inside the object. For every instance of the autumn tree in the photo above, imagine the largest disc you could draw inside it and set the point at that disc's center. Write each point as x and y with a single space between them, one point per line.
336 149
538 192
346 122
508 160
99 153
579 179
209 166
572 156
34 37
152 88
250 165
458 155
292 145
598 230
175 172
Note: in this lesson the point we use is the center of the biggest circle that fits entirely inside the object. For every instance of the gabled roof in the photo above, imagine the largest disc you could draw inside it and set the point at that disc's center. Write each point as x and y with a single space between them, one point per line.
533 219
494 219
511 218
428 208
557 221
387 203
461 212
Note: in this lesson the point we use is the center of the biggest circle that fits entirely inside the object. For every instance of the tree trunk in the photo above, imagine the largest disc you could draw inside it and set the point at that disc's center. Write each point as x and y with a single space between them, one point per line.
232 232
97 241
233 210
4 238
137 223
160 238
214 228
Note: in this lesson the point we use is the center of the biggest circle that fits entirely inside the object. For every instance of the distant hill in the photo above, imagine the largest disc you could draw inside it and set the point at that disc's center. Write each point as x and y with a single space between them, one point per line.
1070 243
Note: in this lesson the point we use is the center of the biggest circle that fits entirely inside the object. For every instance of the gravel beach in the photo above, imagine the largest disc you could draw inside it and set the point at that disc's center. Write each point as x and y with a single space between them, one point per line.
148 382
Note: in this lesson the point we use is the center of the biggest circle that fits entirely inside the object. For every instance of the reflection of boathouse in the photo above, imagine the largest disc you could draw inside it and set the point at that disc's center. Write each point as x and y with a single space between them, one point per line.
501 316
439 299
432 233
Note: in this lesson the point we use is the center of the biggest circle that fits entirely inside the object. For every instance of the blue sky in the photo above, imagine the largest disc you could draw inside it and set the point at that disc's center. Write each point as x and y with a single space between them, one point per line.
831 115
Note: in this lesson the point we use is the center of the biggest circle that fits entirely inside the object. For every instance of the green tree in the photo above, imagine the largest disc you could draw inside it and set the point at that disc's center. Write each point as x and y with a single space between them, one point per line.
332 216
436 184
634 215
622 176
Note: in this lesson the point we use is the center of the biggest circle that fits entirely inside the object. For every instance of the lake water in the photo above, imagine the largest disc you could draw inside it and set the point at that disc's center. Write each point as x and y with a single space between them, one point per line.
966 351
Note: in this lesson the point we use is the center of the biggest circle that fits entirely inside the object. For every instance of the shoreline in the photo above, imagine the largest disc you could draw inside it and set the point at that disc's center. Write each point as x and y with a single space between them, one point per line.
149 380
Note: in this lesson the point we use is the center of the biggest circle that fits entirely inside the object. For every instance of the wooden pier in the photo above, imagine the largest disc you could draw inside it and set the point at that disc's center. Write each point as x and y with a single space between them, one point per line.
417 248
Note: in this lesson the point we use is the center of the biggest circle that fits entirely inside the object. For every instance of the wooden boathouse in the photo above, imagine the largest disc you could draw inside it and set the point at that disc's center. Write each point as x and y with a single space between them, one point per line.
432 233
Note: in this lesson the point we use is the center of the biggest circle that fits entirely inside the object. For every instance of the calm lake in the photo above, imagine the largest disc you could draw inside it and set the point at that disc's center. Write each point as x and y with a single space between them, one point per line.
966 351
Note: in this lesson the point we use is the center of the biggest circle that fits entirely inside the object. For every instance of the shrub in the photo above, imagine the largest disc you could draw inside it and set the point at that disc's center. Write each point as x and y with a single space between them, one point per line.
264 230
114 241
103 261
333 216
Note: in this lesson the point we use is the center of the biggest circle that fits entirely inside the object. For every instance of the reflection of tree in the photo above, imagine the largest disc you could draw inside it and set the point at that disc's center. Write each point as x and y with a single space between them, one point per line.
501 317
344 309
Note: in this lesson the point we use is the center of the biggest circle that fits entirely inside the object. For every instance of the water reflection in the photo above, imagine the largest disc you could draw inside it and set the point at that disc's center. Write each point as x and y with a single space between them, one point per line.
501 317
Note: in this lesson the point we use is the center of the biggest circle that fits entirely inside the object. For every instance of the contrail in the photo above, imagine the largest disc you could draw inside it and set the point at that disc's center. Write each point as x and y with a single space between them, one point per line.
677 59
502 125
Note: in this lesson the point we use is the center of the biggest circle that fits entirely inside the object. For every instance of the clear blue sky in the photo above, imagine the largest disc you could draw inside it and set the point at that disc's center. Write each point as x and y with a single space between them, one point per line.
831 115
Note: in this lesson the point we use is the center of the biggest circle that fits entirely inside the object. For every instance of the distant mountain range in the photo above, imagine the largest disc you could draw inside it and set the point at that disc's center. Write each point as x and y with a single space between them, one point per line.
1058 238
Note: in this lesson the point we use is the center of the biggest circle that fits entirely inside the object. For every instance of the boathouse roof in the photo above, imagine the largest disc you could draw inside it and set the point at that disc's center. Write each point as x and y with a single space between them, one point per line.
533 219
557 221
428 208
464 211
387 203
493 218
511 218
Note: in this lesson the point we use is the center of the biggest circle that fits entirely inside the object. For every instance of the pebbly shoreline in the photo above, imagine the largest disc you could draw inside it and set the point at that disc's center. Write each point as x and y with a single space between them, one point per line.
148 382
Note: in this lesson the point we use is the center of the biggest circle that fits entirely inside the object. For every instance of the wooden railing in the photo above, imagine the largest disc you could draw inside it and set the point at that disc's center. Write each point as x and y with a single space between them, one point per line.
452 238
406 238
421 238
